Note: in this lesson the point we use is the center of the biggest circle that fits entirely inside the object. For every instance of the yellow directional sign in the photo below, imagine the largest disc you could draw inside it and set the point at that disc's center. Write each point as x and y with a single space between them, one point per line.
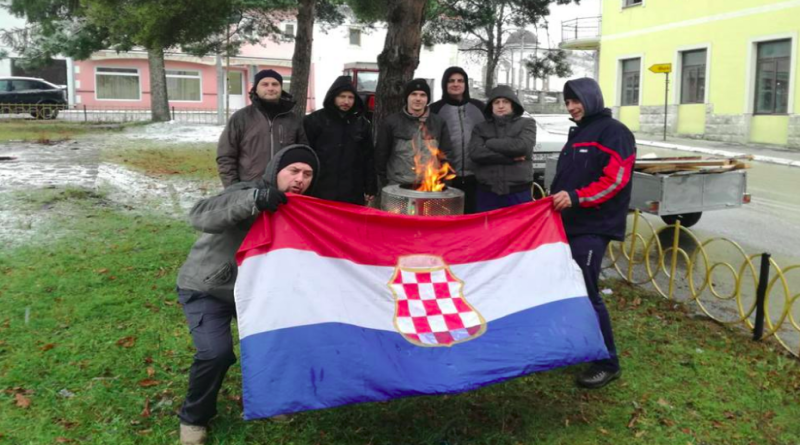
661 68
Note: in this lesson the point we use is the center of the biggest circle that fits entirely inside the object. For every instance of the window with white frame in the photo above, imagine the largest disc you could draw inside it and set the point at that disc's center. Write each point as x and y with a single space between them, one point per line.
355 36
693 76
287 83
772 77
184 85
117 83
288 30
628 3
630 81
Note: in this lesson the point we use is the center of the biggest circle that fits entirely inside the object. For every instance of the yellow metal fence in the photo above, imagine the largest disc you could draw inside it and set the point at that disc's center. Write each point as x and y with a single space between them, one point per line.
717 275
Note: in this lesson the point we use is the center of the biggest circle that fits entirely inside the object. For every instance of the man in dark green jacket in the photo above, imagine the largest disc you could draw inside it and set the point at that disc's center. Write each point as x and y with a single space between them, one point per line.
206 279
408 133
256 132
502 148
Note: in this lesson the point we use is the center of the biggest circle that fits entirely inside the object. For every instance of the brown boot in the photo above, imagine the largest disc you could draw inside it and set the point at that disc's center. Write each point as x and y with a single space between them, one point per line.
193 434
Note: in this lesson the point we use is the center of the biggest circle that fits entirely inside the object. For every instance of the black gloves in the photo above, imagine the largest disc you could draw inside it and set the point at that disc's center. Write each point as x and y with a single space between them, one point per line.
269 198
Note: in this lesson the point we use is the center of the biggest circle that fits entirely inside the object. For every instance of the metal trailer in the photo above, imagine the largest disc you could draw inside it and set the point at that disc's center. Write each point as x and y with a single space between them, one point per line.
681 196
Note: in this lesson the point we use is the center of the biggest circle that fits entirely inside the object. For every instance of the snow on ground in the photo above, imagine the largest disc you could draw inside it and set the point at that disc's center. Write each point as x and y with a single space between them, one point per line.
176 132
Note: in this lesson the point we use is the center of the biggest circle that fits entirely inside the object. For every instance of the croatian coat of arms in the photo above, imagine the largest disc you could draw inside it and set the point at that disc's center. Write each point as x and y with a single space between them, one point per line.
430 307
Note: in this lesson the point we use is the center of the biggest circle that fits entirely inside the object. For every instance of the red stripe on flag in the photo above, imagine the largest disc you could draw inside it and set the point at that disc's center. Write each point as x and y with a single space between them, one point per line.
372 237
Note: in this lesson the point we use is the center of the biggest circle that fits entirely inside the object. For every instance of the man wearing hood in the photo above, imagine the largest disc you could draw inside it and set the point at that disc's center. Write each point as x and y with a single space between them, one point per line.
206 279
592 189
342 138
501 148
408 133
461 113
256 132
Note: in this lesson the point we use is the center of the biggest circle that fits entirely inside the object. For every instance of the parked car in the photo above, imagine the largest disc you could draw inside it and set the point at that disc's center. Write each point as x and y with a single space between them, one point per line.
547 144
37 97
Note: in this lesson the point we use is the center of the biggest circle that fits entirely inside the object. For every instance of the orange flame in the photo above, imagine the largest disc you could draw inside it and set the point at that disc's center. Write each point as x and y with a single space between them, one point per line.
431 173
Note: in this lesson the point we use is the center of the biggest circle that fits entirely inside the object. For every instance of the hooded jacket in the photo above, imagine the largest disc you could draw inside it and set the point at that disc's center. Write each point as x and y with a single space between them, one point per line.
343 142
461 116
595 167
225 220
498 141
398 137
251 138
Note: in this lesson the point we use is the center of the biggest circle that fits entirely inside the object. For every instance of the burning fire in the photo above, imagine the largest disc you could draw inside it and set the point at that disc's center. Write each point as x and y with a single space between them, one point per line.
434 170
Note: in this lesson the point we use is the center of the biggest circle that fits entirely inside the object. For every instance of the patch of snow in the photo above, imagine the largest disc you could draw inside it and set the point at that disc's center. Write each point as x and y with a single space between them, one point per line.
173 131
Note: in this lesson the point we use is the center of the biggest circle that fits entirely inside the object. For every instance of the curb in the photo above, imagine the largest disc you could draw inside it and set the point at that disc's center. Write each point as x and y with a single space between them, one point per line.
709 151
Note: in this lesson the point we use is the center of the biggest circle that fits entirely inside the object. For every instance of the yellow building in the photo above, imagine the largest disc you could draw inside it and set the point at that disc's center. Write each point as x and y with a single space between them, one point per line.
734 67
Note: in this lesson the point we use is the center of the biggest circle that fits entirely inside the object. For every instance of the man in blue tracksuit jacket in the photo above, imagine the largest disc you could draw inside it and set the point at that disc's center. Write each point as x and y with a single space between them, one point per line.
592 189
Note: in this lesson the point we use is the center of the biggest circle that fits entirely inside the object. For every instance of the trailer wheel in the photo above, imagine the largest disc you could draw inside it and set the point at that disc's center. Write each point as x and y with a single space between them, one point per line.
686 219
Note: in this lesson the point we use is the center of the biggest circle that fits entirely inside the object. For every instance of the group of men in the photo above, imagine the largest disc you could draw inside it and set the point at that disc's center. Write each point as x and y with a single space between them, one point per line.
265 152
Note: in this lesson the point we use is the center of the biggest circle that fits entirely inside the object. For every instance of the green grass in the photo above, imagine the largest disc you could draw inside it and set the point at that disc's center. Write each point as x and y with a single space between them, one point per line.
104 325
187 160
45 132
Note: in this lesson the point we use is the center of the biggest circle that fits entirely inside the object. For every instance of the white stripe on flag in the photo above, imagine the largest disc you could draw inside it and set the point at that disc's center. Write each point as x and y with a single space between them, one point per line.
287 288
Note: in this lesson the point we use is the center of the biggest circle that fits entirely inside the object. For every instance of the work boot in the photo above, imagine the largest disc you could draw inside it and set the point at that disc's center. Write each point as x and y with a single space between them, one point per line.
596 377
193 434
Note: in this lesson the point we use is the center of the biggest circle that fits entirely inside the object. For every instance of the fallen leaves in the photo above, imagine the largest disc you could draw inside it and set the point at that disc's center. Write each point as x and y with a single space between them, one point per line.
146 410
22 401
127 342
47 347
146 383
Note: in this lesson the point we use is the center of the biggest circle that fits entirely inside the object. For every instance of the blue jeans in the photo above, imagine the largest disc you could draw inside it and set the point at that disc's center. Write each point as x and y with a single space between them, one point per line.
487 200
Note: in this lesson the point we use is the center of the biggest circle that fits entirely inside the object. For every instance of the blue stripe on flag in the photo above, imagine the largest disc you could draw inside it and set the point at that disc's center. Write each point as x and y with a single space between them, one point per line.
331 364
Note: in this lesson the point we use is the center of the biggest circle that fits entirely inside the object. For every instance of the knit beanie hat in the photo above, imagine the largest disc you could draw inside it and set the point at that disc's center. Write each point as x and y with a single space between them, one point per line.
417 85
267 73
300 153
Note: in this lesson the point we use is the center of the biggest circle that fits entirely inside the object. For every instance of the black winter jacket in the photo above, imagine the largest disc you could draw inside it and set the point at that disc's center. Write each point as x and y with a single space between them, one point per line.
595 168
497 144
343 143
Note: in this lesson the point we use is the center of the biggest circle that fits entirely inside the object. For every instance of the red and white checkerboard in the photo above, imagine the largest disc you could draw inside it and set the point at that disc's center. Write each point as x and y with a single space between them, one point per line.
431 309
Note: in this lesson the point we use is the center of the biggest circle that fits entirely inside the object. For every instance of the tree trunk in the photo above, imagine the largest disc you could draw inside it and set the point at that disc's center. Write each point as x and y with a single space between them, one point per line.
400 56
301 59
159 101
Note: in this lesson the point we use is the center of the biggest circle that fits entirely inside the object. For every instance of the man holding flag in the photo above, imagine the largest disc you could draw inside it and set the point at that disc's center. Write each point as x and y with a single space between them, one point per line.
206 279
592 190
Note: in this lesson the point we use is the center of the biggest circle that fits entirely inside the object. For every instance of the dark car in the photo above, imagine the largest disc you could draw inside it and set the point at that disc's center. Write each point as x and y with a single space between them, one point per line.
38 97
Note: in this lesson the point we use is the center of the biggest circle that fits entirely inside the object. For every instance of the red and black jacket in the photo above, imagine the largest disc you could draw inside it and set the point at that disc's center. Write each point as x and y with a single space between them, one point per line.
595 167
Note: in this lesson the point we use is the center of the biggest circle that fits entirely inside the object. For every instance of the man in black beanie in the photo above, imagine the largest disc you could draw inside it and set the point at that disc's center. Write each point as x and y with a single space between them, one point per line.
462 114
206 279
256 132
409 133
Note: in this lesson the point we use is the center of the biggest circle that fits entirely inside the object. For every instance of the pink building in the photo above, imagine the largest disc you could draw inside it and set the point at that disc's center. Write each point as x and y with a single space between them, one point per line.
122 80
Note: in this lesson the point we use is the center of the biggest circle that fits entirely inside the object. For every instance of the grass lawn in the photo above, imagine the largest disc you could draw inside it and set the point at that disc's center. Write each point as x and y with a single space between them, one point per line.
94 350
44 131
187 160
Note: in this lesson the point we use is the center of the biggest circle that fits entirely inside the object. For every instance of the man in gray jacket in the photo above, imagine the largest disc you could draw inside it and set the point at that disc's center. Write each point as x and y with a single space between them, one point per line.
206 279
461 113
256 132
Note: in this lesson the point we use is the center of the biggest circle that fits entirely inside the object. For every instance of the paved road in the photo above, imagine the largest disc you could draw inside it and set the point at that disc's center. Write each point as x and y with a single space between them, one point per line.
770 223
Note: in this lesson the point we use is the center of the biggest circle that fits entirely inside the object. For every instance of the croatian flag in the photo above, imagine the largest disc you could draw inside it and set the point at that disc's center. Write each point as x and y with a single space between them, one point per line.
341 304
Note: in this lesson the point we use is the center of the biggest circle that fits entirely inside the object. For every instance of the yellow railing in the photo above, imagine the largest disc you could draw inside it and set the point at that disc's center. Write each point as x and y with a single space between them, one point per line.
680 266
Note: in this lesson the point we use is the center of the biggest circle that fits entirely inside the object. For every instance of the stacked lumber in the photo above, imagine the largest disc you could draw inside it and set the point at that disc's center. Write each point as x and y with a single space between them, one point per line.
691 164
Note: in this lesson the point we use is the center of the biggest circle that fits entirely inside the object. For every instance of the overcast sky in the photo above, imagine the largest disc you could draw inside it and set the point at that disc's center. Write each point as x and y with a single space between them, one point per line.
587 8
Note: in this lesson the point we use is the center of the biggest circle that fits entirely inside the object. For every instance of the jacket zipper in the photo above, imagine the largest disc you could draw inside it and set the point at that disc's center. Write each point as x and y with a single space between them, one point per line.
271 135
463 150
